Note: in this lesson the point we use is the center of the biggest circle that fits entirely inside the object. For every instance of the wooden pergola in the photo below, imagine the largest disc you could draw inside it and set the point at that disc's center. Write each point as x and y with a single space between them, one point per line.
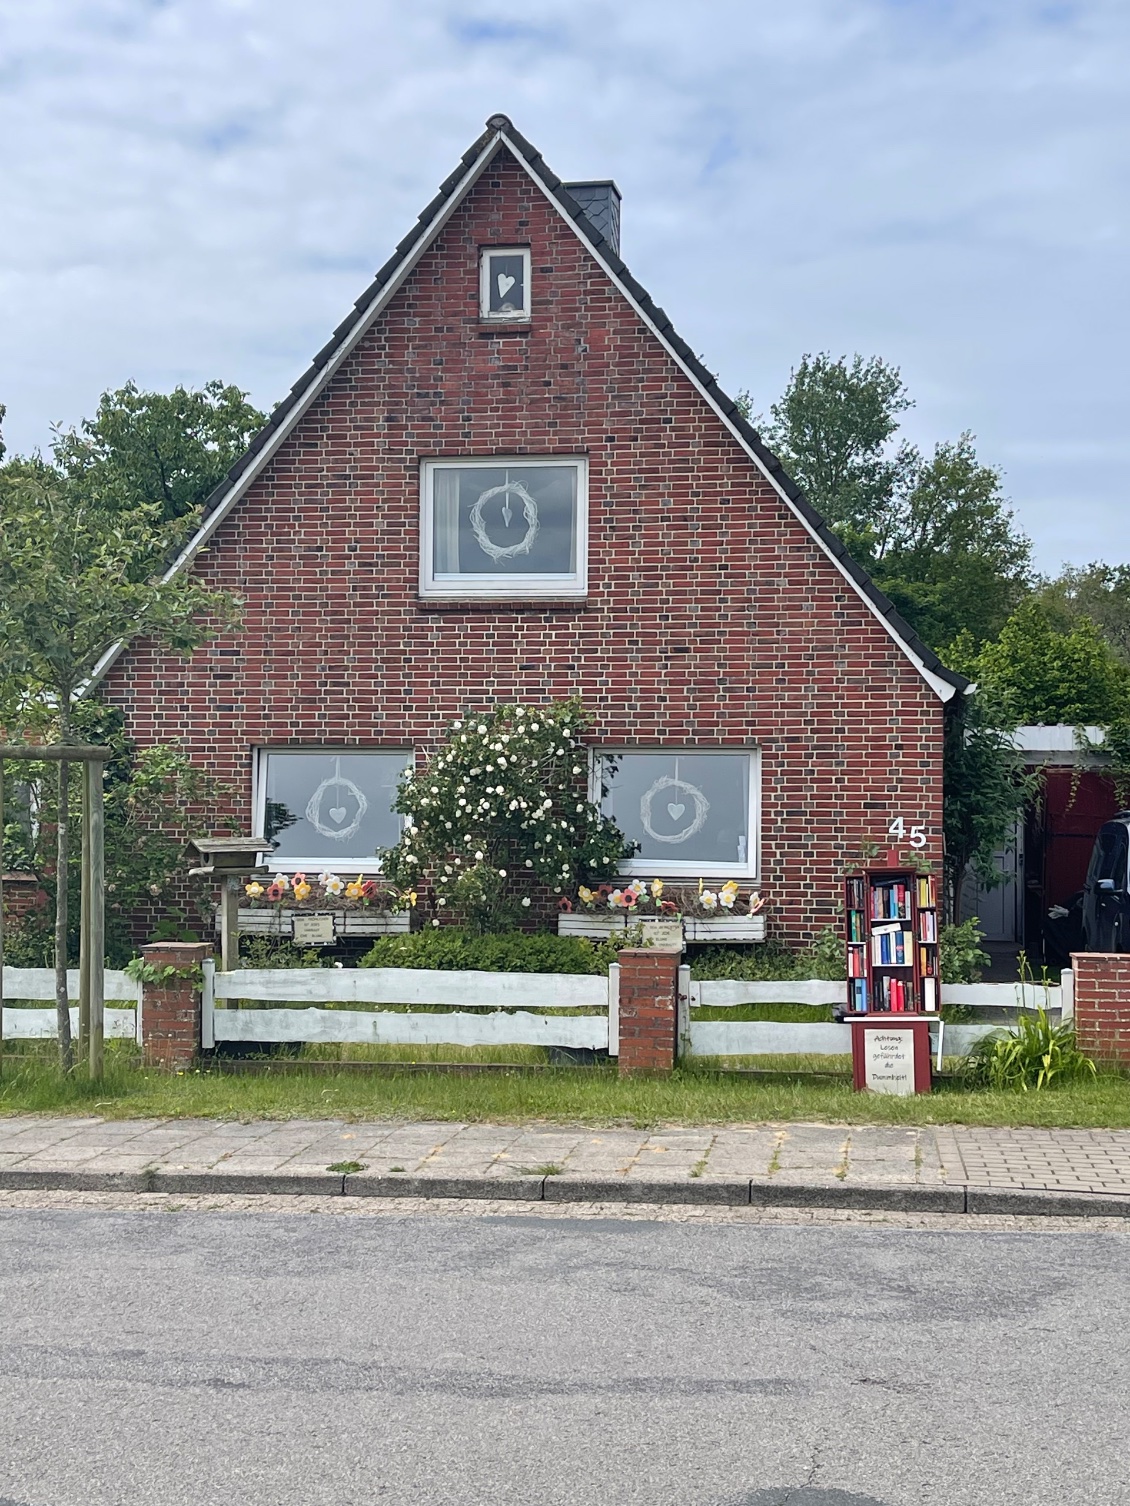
92 916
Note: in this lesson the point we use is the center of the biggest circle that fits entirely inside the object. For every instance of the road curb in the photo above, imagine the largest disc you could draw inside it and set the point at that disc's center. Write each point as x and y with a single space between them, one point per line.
732 1192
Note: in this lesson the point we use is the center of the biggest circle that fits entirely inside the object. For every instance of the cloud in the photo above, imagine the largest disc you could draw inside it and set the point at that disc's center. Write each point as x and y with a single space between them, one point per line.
201 188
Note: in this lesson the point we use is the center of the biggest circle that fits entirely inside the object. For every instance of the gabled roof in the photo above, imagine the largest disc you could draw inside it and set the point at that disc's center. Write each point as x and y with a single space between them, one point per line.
500 133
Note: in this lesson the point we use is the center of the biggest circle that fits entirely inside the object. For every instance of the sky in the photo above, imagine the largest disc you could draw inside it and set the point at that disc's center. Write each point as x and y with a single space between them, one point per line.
193 189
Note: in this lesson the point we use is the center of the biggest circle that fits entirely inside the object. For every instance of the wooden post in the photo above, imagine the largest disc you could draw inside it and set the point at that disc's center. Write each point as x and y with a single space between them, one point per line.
84 965
229 925
94 911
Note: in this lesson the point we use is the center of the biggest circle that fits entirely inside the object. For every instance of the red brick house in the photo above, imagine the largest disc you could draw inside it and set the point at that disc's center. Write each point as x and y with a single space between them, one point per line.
507 478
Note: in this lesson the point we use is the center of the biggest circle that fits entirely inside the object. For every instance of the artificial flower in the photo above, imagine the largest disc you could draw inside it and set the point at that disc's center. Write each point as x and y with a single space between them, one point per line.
656 888
275 891
756 903
615 899
708 899
410 896
586 895
355 888
332 884
253 890
669 907
565 904
368 889
281 882
301 889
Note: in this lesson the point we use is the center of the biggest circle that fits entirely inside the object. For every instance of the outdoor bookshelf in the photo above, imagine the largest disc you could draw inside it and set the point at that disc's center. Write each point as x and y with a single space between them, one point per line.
891 936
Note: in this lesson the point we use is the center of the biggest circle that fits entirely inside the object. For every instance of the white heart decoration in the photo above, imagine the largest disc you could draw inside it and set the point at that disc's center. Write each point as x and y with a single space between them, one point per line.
675 810
505 283
337 813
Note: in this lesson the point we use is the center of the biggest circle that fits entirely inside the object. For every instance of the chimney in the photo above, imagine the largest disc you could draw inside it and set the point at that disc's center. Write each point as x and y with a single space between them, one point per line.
600 201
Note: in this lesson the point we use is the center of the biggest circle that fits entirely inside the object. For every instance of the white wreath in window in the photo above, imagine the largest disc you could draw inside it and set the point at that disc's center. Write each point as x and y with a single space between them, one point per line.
336 812
530 509
675 809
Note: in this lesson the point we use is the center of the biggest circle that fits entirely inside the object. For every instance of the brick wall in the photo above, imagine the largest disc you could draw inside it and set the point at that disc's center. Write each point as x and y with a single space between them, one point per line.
171 1009
647 1007
713 619
1102 1005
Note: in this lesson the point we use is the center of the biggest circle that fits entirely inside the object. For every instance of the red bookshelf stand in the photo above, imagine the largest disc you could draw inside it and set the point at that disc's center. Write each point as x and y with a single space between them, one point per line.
890 1053
893 981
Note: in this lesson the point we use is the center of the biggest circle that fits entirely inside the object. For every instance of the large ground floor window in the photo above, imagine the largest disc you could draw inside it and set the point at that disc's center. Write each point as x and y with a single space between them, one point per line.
691 813
327 809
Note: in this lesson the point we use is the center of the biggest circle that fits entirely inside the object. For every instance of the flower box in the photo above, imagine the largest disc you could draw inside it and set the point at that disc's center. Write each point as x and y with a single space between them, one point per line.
725 928
264 922
732 928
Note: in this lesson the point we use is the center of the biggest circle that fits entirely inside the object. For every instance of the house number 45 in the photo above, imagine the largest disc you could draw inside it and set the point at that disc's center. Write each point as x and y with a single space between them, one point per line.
898 828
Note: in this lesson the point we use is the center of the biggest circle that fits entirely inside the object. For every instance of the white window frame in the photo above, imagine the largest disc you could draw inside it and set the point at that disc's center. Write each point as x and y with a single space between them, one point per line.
259 807
639 867
504 587
485 311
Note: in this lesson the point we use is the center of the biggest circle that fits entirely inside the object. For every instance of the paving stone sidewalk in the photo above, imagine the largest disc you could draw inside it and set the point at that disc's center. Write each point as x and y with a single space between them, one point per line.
697 1163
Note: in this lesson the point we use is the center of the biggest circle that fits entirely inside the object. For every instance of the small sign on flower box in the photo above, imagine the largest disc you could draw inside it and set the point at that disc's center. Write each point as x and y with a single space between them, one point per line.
662 933
314 930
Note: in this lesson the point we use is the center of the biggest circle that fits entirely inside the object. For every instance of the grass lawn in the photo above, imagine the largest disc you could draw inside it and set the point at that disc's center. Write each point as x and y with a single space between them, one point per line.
30 1083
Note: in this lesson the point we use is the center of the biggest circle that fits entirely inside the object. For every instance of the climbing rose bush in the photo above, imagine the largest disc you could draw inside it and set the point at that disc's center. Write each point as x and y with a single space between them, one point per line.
502 802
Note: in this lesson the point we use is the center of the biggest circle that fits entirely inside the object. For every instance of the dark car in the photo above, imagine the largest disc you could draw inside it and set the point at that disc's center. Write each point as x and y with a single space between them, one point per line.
1106 894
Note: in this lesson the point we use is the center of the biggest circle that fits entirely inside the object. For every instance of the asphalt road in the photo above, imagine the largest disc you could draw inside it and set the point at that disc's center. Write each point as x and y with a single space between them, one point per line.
248 1359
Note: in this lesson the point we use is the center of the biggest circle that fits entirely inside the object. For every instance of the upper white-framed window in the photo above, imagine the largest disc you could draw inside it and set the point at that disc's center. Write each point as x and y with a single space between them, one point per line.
329 809
504 282
693 813
507 526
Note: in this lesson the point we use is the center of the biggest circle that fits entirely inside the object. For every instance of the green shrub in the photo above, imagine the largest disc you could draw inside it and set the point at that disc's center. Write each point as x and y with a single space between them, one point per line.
275 951
1035 1054
769 961
452 949
960 958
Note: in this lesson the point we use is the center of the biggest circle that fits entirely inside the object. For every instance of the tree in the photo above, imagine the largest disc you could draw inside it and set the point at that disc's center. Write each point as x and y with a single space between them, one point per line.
936 535
1043 675
155 449
1100 592
503 802
952 560
79 572
832 429
986 789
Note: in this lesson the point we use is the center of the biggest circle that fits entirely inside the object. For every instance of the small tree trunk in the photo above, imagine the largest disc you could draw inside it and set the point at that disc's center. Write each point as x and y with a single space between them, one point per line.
62 860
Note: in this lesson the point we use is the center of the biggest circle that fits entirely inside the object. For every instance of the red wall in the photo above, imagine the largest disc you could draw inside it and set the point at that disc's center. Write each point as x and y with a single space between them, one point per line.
712 618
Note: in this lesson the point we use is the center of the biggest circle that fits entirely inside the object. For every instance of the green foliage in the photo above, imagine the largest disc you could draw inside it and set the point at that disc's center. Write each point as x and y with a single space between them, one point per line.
831 429
960 958
501 803
953 560
1095 591
453 949
1043 674
77 575
1034 1055
164 452
143 971
936 534
275 951
154 797
770 961
985 790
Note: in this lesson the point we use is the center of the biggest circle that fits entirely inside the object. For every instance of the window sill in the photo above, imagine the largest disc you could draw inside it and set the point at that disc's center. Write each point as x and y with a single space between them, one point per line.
489 327
502 604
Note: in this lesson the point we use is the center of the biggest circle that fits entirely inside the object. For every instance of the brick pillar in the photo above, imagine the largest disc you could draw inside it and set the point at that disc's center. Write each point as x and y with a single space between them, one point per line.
1102 1005
649 986
170 1010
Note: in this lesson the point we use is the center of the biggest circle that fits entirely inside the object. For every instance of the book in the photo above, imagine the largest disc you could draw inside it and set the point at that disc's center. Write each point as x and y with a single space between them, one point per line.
930 995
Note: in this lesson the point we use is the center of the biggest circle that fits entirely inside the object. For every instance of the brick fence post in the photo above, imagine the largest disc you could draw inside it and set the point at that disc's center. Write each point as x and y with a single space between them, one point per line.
170 1010
649 988
1102 1005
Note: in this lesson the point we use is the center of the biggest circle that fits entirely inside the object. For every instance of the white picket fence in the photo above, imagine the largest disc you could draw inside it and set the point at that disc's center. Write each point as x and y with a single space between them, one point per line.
40 1024
497 1009
520 995
769 1038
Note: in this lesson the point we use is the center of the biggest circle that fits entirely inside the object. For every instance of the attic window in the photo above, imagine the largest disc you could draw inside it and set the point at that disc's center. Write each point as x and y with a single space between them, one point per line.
503 527
504 283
